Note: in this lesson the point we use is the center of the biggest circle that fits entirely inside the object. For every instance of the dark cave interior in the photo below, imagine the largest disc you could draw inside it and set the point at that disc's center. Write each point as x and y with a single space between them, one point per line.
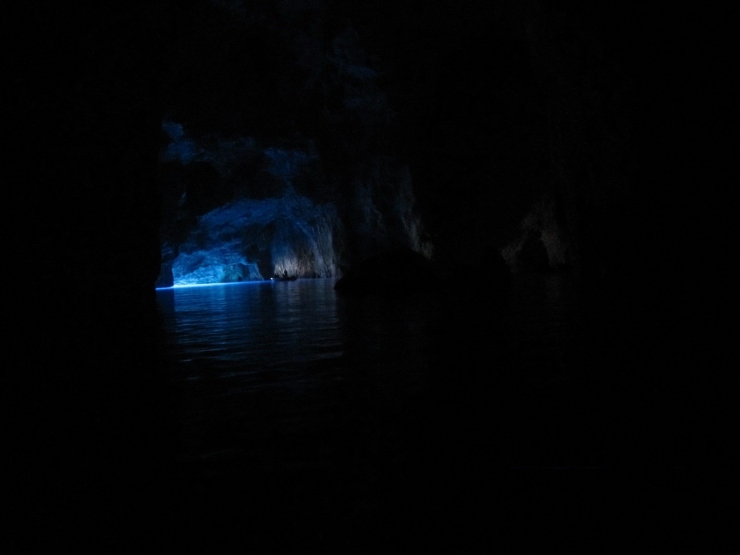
558 134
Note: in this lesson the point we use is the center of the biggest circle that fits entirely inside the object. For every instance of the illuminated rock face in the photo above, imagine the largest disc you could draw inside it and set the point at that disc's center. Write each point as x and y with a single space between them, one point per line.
236 210
254 238
249 240
279 156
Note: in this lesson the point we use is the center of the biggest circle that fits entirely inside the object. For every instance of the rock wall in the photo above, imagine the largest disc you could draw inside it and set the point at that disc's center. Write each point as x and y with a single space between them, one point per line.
313 143
236 209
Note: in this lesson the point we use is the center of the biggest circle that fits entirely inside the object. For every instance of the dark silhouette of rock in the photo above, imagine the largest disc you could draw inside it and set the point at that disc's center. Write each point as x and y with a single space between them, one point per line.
533 255
394 271
493 267
165 274
88 433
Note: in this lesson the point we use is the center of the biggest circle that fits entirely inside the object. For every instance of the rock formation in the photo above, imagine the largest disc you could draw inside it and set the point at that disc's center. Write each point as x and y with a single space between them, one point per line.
268 189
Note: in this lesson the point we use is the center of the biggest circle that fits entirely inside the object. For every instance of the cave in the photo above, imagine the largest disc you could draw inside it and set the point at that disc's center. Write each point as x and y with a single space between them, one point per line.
172 143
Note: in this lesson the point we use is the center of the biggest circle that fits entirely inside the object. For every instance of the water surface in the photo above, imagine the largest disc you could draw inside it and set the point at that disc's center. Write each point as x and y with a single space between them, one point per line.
421 417
290 370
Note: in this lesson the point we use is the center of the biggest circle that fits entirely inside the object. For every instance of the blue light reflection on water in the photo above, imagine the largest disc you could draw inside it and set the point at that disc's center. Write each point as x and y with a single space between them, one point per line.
227 284
258 364
249 326
273 364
